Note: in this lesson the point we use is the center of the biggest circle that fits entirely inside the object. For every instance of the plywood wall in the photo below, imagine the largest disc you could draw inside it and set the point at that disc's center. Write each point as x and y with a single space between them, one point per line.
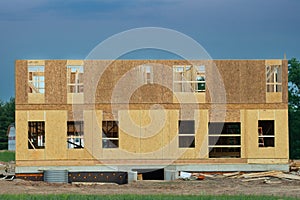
242 81
56 81
280 151
285 81
21 78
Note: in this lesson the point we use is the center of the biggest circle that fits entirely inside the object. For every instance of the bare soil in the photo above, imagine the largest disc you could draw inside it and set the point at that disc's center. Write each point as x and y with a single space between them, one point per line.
216 186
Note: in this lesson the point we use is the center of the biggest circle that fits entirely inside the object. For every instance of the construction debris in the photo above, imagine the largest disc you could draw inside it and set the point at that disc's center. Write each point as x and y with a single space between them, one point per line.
255 179
246 177
295 165
287 176
259 174
191 176
7 171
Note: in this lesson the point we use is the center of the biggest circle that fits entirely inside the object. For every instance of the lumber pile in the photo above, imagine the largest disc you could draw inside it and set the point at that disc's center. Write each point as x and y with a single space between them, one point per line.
295 165
267 176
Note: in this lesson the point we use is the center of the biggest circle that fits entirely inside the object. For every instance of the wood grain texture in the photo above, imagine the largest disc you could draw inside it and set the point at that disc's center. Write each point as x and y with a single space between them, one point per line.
21 81
56 81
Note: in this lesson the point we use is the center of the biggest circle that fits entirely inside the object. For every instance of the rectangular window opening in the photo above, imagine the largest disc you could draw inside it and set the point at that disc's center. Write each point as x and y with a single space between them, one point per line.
224 139
110 134
75 79
75 134
36 79
188 78
186 133
274 78
36 135
266 133
146 74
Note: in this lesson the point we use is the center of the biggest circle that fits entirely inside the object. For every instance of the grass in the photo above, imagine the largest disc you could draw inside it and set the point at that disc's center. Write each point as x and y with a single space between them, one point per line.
6 156
138 197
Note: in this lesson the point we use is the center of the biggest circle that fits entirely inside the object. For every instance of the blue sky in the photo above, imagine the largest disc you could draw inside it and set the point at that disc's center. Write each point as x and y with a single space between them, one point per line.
70 29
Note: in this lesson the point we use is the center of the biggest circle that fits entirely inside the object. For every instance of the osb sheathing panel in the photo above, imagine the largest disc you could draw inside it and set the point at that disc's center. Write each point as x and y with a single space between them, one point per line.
230 73
281 135
130 130
92 139
93 73
146 106
201 139
21 81
244 138
153 127
273 97
146 142
21 134
273 62
75 62
36 115
75 115
149 139
183 97
280 151
75 98
56 81
253 81
36 62
119 78
244 81
36 98
266 114
240 79
224 115
22 151
285 81
56 135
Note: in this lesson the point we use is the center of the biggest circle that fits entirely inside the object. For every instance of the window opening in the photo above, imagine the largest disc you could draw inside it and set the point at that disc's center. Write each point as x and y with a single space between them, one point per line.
110 134
75 134
75 79
36 135
186 133
224 139
36 79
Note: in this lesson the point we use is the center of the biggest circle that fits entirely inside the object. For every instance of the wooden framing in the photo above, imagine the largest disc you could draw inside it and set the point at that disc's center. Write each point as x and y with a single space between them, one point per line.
113 92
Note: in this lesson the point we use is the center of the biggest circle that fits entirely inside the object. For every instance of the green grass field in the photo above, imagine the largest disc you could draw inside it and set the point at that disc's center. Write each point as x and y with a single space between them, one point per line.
6 156
137 197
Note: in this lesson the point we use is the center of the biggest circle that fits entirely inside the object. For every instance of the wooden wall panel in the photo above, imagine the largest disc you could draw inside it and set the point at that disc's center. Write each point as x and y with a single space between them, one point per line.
56 82
285 81
230 73
95 78
56 135
244 81
21 81
253 81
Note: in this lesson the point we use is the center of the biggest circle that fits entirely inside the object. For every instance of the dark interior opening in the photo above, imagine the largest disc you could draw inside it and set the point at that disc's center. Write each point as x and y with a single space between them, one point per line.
151 174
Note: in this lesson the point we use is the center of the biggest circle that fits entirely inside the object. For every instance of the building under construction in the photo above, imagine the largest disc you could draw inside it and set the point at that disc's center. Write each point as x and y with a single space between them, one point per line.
150 116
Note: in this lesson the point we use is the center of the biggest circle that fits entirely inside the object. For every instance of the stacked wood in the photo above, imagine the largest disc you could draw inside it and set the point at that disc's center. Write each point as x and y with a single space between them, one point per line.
260 174
295 165
264 175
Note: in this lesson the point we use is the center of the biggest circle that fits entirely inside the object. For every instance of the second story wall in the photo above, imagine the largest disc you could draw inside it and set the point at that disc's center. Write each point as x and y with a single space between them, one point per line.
147 81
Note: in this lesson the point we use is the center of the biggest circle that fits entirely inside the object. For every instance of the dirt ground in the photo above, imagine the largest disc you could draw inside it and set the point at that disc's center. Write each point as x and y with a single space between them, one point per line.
214 186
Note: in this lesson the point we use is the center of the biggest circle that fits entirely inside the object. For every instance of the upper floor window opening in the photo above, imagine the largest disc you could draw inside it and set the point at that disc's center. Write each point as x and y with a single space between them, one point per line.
36 79
146 72
75 79
187 78
274 78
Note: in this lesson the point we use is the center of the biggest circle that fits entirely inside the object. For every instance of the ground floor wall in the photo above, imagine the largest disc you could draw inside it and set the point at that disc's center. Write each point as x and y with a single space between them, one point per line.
148 138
